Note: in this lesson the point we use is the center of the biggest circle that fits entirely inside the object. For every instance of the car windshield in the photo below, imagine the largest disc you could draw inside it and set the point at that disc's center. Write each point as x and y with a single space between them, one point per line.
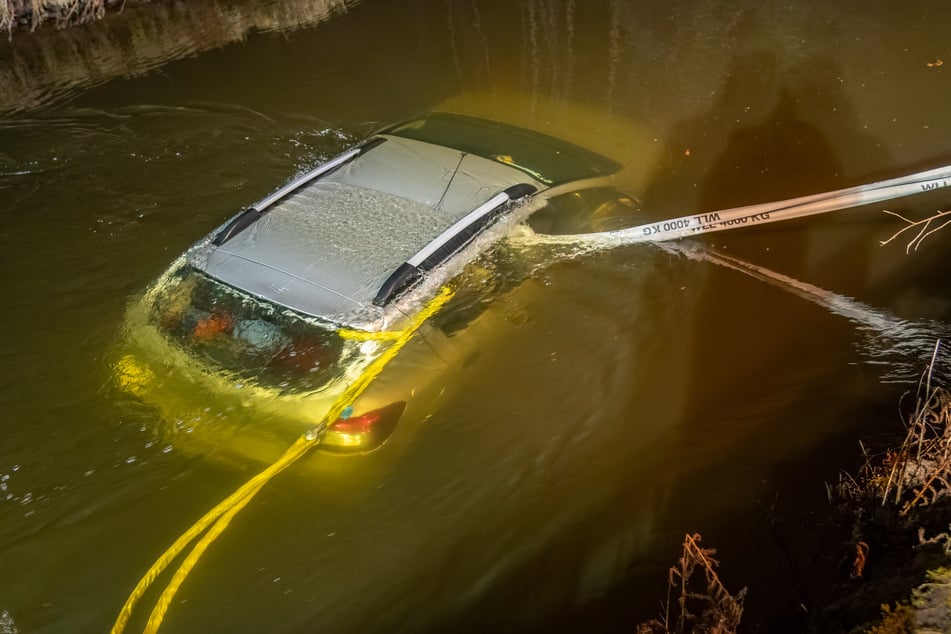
258 341
545 158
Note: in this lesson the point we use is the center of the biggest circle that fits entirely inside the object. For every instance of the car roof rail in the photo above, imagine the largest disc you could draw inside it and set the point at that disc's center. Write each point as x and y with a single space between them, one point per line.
448 242
253 213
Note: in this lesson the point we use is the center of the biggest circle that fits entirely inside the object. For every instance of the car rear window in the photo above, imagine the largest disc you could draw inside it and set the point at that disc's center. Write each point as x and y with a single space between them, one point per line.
256 340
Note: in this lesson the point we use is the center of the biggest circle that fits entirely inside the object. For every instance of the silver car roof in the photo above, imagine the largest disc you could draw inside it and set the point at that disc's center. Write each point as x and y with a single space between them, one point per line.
326 248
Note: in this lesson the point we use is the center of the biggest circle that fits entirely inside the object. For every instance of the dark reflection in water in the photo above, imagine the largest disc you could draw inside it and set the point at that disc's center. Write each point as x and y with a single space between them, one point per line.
608 402
52 65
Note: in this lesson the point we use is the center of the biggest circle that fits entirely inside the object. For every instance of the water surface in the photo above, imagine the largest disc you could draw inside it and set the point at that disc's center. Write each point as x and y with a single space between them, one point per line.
610 401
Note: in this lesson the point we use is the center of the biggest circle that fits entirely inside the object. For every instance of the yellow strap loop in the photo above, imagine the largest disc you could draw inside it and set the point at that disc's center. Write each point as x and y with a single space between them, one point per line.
221 515
363 335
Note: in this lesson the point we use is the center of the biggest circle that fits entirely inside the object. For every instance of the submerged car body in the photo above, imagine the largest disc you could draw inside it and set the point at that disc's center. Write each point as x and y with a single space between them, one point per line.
284 304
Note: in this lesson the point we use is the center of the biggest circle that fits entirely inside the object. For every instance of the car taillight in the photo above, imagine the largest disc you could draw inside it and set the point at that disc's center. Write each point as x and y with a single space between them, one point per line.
365 432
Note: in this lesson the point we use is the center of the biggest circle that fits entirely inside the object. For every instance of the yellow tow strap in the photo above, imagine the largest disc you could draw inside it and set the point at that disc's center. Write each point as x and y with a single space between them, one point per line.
221 515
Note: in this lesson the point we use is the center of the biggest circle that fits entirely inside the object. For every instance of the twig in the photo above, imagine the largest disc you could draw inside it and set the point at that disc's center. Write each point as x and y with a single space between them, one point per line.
923 462
719 612
925 231
934 356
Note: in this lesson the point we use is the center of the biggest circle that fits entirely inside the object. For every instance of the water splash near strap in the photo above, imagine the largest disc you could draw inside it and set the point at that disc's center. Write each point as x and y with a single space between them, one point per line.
900 346
764 213
890 341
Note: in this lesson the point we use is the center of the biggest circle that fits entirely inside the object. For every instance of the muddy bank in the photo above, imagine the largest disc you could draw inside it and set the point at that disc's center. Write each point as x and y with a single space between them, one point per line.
49 64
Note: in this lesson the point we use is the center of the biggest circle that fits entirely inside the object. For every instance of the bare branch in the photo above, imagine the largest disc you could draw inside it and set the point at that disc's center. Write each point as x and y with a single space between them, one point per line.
925 228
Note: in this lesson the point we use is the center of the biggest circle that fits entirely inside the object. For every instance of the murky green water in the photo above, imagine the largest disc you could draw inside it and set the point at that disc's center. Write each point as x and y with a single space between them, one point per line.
610 401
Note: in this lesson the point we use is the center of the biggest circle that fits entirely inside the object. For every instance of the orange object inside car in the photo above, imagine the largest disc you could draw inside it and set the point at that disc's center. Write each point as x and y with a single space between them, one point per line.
216 324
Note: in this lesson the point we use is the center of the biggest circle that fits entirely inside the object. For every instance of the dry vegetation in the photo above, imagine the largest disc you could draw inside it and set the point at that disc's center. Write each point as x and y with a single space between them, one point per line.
918 473
898 510
34 13
894 516
703 605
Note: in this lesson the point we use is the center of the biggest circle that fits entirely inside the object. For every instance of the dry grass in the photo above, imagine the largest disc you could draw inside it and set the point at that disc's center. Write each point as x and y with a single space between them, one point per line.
918 473
8 15
898 498
898 620
60 13
704 606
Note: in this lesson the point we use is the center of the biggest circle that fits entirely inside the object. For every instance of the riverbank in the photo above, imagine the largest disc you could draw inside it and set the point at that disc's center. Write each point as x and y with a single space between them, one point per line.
48 64
31 14
886 567
894 517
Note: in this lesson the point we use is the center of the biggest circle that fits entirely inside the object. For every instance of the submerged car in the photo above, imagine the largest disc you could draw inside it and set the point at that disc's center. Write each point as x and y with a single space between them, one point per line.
282 306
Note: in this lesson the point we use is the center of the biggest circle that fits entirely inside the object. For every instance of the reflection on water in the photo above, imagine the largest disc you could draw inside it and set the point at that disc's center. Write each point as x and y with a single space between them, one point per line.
898 345
597 405
54 64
